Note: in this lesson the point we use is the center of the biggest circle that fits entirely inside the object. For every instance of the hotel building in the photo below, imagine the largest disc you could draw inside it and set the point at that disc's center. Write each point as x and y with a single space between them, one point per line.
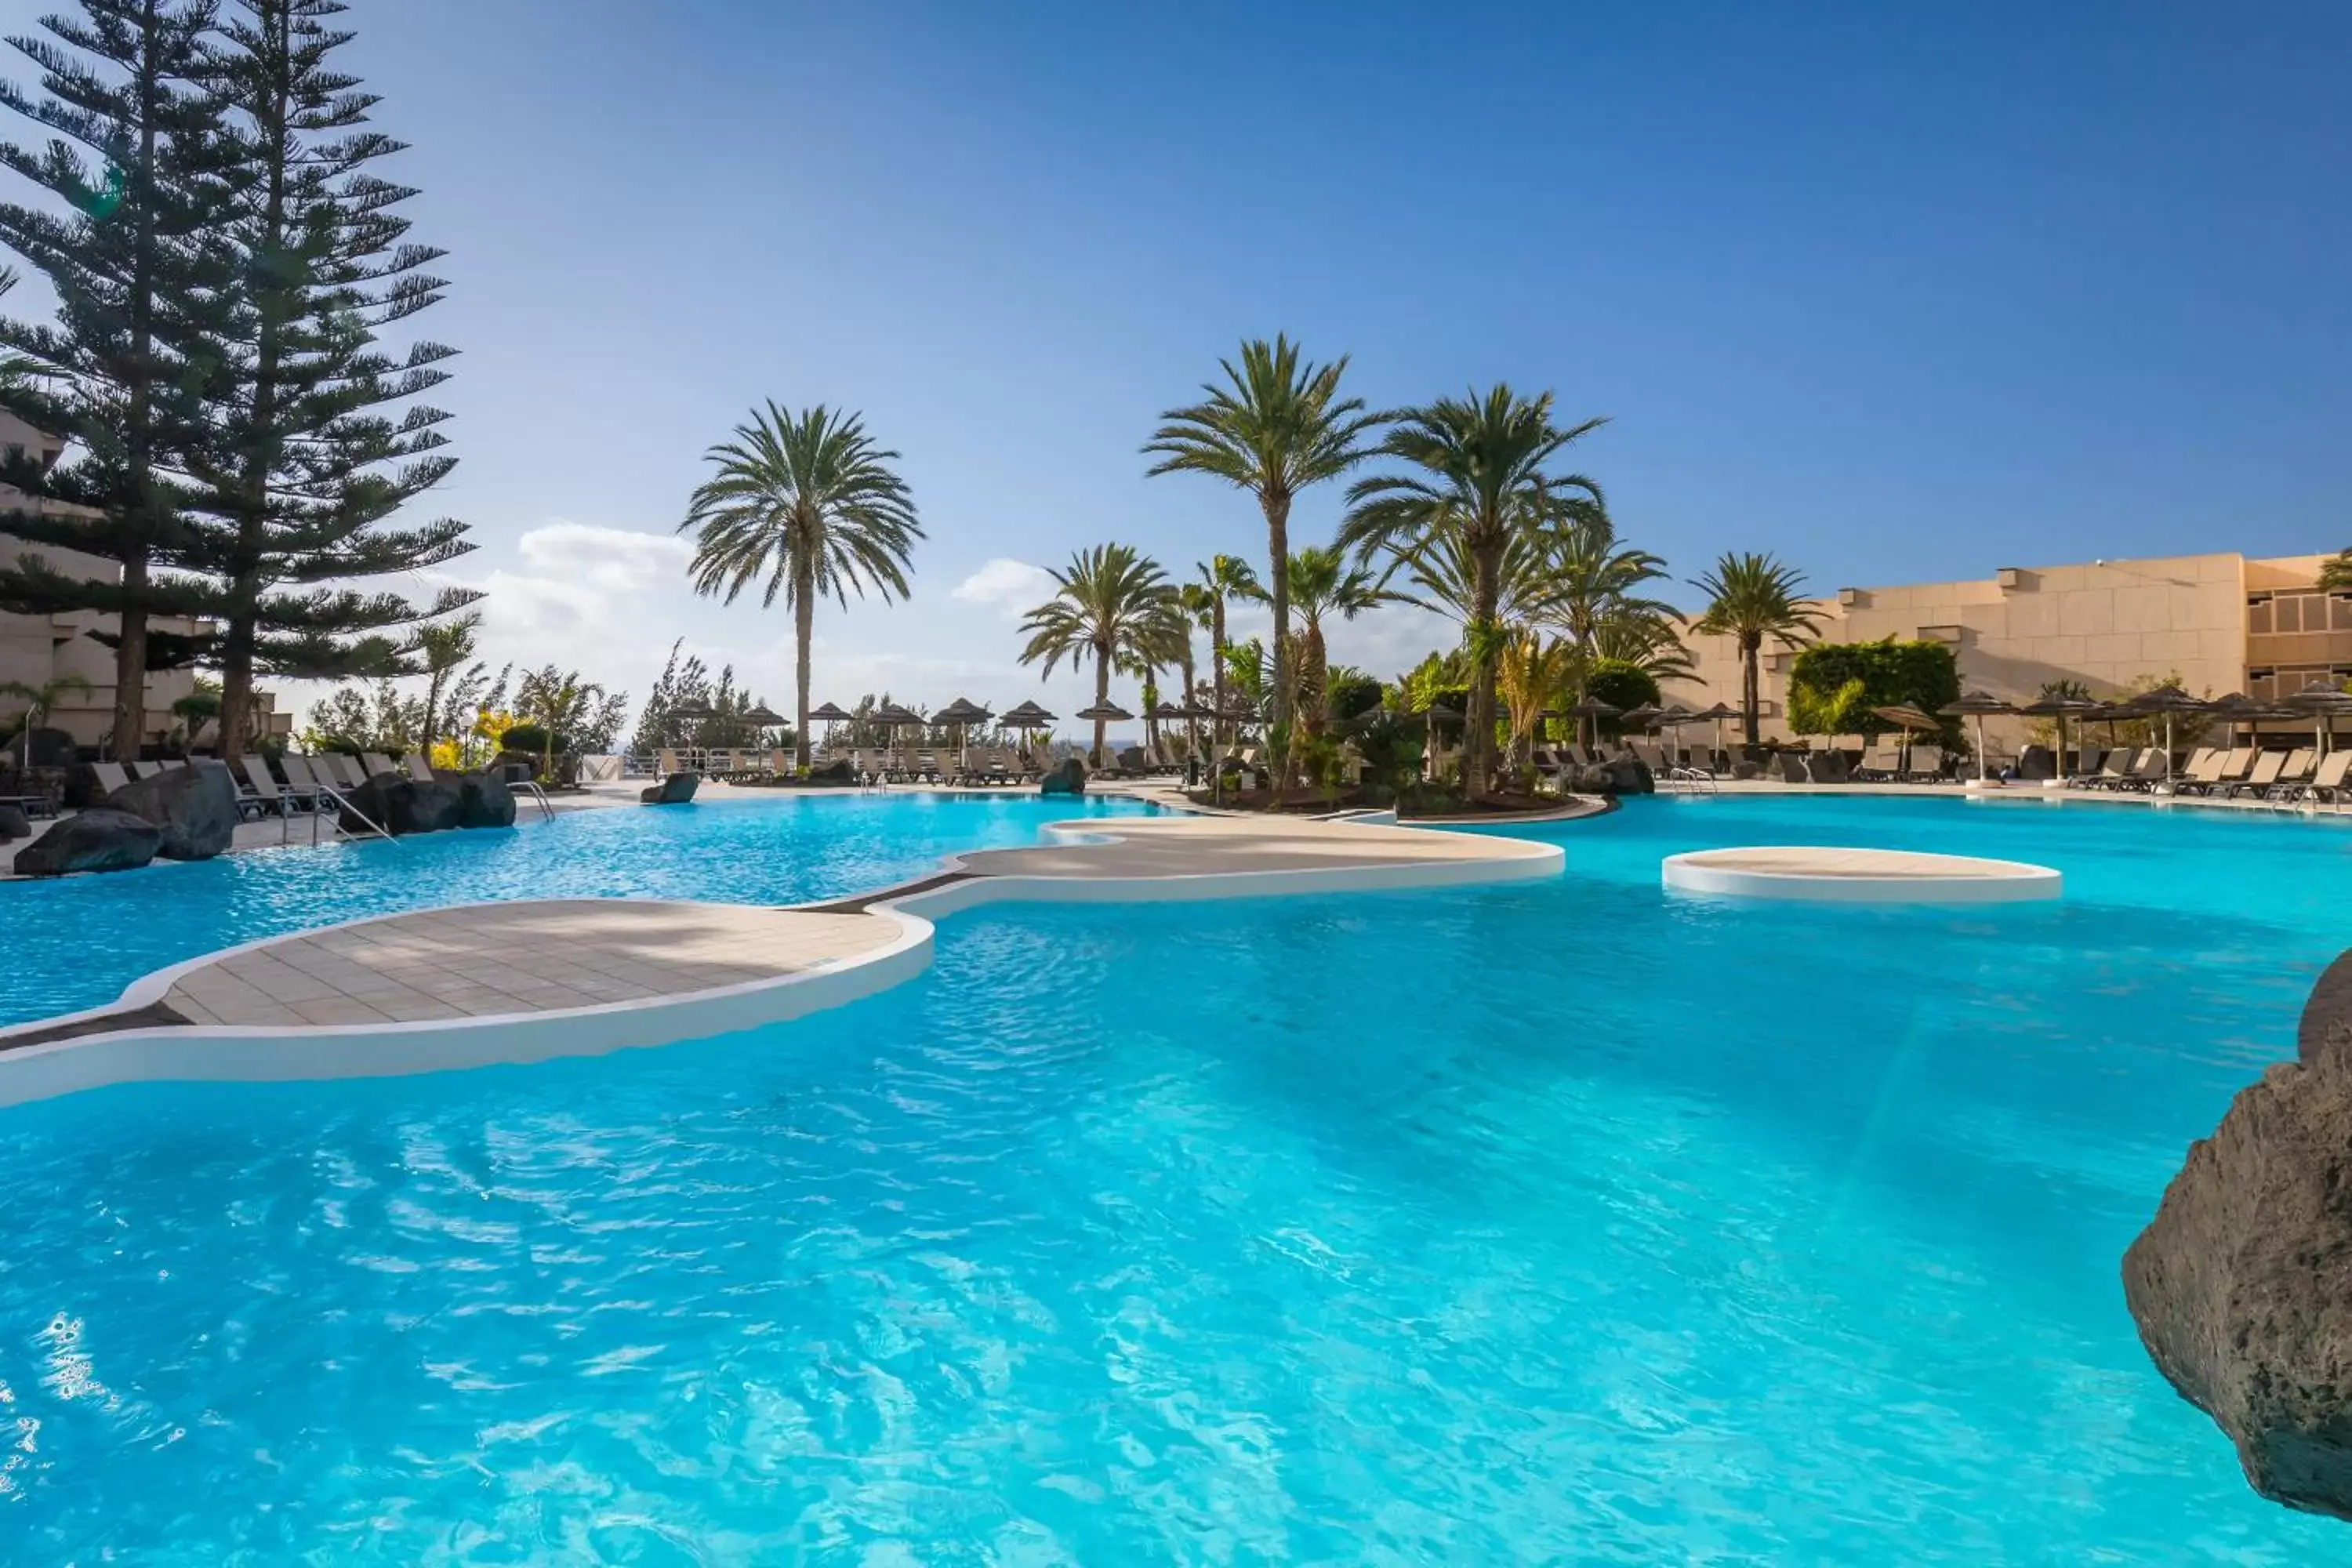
2222 622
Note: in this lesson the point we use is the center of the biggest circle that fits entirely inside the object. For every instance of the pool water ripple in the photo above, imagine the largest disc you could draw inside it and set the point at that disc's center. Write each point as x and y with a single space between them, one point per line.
1556 1222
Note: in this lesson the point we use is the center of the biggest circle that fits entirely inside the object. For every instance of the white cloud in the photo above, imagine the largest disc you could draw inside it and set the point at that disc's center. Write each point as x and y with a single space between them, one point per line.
611 558
1010 585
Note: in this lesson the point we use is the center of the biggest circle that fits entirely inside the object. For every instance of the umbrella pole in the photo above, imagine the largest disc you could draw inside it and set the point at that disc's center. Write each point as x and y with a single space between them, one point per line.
1981 756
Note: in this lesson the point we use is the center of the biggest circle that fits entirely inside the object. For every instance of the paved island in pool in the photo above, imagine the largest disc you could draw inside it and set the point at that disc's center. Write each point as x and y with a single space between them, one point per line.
1857 876
531 979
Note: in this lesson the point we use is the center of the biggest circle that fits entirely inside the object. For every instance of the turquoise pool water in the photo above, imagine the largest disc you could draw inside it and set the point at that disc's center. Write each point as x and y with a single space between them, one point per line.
77 943
1560 1221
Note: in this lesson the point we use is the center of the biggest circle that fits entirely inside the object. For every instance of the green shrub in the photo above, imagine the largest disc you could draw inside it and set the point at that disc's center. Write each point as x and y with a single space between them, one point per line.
531 738
1351 696
1621 684
1832 687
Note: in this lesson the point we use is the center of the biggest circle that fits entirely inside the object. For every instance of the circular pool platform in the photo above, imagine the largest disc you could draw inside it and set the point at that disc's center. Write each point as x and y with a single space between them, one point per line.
1857 876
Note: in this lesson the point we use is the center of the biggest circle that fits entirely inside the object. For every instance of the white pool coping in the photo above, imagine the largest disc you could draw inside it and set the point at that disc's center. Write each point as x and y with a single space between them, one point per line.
248 1053
1823 874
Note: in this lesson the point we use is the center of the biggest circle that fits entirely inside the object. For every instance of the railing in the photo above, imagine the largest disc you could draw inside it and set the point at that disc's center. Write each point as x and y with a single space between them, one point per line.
531 787
326 793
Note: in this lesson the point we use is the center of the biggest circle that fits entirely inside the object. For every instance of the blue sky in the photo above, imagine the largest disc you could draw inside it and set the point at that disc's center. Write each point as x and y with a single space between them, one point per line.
1894 292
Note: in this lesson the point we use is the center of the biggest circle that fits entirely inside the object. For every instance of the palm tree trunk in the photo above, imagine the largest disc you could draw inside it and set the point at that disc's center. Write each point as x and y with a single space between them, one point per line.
1102 698
1191 726
1479 745
1313 668
1748 662
1151 698
1278 543
803 624
1217 668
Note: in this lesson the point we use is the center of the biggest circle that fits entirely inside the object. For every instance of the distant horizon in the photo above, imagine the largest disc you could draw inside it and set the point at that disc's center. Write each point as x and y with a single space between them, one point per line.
1897 296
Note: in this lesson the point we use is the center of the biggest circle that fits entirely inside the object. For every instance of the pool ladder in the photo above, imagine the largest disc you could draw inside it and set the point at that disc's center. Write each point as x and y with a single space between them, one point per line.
533 788
328 792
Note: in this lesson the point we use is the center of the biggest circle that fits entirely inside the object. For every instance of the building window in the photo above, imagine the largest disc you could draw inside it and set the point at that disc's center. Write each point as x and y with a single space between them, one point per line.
2300 612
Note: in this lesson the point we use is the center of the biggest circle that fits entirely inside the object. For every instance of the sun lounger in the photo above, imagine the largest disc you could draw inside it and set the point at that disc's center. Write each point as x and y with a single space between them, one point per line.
2267 770
376 764
1883 761
418 768
259 790
111 776
1927 764
301 784
2204 771
2328 778
2295 775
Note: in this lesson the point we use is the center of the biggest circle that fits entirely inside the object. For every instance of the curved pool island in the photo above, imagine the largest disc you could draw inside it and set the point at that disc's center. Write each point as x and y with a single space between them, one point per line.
1857 876
531 980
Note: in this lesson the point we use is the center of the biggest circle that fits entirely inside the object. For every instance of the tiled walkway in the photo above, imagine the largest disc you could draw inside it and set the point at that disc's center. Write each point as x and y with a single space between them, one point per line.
491 959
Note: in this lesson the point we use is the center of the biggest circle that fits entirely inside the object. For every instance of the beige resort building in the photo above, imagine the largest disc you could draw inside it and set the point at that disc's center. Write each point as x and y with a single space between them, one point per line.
2222 622
37 649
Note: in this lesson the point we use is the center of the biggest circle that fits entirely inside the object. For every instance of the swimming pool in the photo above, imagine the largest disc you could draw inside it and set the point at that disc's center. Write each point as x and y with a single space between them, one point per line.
77 943
1561 1221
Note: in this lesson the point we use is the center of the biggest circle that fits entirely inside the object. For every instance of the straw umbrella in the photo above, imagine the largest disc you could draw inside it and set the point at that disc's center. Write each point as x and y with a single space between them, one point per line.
1587 714
1028 718
2057 709
962 713
893 718
1099 715
1717 713
2171 702
1977 704
2322 704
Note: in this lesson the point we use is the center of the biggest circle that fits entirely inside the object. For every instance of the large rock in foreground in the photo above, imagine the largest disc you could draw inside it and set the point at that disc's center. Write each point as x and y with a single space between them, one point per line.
193 806
2241 1285
14 823
401 807
98 839
676 790
483 800
1067 778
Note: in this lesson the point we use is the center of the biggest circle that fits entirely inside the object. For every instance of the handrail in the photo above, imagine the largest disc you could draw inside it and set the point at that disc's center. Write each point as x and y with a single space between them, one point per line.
546 806
329 792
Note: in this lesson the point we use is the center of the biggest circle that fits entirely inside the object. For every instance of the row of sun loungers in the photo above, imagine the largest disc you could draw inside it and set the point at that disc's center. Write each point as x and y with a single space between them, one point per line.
305 780
2225 772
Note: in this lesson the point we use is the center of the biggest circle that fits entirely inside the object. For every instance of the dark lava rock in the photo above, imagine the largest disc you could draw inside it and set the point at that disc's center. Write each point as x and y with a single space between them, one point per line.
483 800
1068 778
2241 1285
195 806
99 839
14 823
836 772
675 790
1617 775
401 807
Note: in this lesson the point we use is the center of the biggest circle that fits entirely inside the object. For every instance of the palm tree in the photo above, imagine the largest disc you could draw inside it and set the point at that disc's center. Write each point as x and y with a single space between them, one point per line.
1530 672
558 701
1589 582
2336 573
38 702
1278 426
1482 479
444 645
1323 583
1221 580
1113 602
809 504
1750 598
